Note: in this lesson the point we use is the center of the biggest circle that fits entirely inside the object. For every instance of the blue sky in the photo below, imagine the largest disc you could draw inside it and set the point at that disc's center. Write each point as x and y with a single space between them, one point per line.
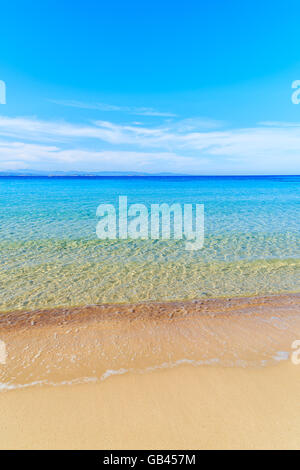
185 87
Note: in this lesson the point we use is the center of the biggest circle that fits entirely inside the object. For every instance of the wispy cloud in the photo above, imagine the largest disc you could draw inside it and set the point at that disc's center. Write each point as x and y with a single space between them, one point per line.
185 146
109 107
279 124
18 155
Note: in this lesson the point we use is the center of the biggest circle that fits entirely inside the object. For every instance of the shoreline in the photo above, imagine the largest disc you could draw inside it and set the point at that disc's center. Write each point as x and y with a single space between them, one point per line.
91 343
207 374
21 318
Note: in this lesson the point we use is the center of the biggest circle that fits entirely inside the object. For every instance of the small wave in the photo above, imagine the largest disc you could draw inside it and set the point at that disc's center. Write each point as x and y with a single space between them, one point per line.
280 356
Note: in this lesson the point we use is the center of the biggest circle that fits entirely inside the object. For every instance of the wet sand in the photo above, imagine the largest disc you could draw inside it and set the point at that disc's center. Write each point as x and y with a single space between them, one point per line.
199 374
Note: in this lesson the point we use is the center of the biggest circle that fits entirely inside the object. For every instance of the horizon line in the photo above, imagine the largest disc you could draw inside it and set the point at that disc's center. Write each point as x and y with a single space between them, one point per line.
116 174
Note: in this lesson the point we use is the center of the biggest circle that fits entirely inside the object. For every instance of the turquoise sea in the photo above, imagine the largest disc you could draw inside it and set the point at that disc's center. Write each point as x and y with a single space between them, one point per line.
51 256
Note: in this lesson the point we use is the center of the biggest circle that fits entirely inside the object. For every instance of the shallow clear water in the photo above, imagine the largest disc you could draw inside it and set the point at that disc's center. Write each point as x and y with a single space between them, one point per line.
50 254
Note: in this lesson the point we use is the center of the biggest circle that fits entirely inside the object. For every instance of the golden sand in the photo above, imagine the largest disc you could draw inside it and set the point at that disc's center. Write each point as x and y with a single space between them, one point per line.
183 408
203 374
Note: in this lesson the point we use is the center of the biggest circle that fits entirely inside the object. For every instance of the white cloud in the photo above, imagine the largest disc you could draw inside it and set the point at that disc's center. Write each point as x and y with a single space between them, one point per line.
109 107
279 124
17 155
184 146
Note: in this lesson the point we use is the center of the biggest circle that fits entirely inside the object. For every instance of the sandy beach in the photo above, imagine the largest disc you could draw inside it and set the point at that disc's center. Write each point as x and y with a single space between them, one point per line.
183 408
200 374
149 227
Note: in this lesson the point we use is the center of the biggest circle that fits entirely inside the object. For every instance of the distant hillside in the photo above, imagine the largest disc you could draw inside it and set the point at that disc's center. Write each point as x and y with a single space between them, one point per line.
81 173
